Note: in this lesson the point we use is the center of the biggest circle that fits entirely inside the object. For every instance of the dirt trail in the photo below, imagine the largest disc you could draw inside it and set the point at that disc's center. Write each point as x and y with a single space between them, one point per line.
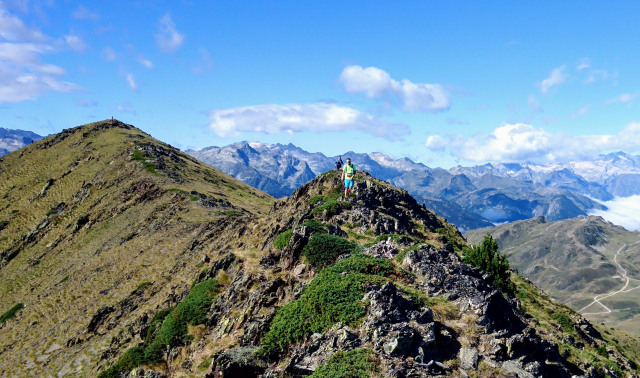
599 297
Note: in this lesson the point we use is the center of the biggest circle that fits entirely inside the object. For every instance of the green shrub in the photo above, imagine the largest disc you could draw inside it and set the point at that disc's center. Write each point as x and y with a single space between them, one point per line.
357 363
315 225
11 313
131 359
156 321
564 321
283 239
316 199
323 249
332 207
3 224
330 298
137 155
192 310
487 257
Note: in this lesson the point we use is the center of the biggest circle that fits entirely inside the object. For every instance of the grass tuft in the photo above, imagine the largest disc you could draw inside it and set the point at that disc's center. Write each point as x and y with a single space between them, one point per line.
11 313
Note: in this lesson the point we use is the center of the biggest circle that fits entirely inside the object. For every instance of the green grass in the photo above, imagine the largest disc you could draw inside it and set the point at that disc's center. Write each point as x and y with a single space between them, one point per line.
330 298
332 207
357 363
283 239
11 313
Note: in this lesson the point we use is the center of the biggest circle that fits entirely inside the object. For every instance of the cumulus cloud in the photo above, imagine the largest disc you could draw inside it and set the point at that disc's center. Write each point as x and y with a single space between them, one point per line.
522 142
316 117
23 75
557 77
168 38
413 97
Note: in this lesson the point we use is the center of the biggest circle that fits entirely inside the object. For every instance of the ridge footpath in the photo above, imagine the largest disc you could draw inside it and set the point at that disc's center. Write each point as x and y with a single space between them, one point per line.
130 258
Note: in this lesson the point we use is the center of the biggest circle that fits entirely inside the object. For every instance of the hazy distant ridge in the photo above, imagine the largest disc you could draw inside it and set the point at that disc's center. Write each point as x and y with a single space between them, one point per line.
470 197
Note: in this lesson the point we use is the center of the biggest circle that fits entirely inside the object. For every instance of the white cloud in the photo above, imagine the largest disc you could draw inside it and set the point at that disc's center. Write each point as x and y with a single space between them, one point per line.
556 77
108 54
169 39
584 64
595 75
132 82
82 13
436 143
75 42
523 142
376 83
622 211
625 97
23 75
317 117
13 29
581 112
145 62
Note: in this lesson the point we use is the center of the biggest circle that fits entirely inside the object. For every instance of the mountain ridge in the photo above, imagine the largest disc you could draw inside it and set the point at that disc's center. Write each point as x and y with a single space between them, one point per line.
518 191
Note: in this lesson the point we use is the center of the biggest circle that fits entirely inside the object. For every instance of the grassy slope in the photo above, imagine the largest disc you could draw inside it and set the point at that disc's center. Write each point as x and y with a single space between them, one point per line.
140 228
572 260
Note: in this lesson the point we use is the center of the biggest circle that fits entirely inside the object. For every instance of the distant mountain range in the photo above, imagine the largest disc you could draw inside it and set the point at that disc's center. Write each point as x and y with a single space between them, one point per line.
11 140
470 197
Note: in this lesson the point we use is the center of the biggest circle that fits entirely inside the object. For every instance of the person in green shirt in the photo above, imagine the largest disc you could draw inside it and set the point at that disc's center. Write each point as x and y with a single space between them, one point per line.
348 171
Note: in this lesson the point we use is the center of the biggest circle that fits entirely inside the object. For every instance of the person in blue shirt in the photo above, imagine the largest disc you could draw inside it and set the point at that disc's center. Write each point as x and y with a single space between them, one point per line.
348 171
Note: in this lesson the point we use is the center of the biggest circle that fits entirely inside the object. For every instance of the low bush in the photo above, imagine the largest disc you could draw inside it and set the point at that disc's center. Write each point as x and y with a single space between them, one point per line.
315 225
11 313
156 322
283 239
172 331
131 359
192 310
357 363
323 249
330 298
487 257
564 321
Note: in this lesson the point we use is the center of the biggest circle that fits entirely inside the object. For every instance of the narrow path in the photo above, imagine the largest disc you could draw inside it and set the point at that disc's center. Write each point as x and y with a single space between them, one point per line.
599 297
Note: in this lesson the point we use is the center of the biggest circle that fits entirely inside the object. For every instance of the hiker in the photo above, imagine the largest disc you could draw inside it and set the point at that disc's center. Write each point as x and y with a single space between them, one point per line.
348 172
339 163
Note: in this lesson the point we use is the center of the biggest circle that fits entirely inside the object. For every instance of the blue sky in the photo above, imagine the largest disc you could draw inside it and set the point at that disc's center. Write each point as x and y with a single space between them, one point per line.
444 83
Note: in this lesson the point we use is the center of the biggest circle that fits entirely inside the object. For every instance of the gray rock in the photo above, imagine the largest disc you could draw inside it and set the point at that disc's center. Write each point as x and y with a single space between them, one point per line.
468 358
